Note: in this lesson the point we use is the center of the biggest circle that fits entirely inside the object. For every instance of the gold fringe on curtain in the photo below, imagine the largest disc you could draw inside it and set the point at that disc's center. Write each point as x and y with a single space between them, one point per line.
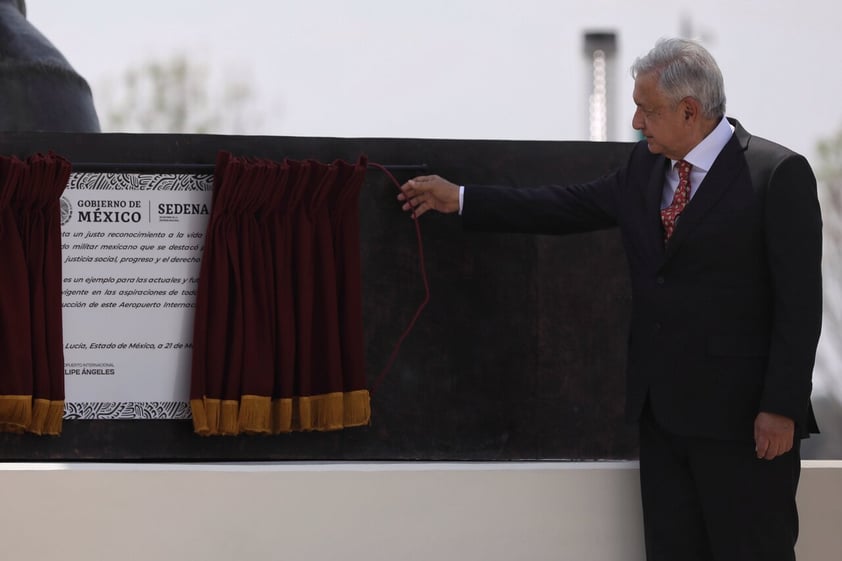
15 412
46 417
255 414
21 413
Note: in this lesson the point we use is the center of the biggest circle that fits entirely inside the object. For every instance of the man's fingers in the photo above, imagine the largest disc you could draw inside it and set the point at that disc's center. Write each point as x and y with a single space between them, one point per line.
423 179
429 192
410 190
770 448
420 209
778 448
773 435
421 184
761 447
418 203
771 452
412 202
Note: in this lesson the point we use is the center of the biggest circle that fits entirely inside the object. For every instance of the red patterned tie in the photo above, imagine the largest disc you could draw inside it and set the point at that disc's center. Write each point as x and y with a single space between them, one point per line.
669 215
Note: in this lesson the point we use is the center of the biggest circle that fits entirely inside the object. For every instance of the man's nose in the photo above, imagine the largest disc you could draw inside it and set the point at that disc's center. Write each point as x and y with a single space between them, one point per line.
637 120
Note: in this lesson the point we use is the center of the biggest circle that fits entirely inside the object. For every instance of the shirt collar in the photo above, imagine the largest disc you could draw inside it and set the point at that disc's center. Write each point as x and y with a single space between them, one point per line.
705 153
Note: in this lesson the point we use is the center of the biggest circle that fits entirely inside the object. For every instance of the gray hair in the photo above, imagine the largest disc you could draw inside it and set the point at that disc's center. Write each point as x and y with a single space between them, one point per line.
685 69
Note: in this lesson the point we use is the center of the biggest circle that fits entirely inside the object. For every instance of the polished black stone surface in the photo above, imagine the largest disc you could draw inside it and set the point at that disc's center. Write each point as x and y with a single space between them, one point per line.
519 355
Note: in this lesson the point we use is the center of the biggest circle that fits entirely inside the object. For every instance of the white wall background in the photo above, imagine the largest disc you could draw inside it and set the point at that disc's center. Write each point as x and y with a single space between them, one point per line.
462 68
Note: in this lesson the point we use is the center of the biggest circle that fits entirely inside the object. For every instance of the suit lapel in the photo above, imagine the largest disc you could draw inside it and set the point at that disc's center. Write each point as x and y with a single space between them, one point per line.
717 182
653 194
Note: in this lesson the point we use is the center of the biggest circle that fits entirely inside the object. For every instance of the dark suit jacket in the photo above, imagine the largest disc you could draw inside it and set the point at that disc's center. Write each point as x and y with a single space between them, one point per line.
726 317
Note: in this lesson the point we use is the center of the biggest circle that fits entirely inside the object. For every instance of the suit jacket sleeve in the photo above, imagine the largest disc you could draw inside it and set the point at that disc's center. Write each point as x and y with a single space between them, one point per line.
793 228
543 210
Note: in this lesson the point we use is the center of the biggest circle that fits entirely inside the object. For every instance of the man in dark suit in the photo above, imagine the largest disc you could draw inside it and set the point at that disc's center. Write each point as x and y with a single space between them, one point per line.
722 231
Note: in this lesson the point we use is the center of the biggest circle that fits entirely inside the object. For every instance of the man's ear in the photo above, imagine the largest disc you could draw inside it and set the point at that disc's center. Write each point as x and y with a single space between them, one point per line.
691 108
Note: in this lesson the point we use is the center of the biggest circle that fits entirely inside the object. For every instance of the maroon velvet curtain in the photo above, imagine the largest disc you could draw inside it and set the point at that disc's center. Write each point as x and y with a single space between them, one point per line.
345 223
281 222
32 383
269 352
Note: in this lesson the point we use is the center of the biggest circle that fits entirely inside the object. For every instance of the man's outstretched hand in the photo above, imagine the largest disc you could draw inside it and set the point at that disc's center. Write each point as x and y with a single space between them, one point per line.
429 192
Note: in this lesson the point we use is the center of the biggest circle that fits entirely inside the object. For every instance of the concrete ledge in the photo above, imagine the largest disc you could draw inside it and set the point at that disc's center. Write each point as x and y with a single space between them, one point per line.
374 511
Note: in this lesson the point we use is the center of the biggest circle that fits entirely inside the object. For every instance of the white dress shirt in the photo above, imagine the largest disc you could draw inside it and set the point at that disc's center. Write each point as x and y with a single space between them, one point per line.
701 157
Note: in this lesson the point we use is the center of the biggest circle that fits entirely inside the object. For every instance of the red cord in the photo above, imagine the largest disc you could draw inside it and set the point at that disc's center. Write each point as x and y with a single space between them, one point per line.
423 269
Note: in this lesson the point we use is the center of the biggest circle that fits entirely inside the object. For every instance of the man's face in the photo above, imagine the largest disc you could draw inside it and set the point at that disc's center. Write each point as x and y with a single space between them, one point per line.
663 122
